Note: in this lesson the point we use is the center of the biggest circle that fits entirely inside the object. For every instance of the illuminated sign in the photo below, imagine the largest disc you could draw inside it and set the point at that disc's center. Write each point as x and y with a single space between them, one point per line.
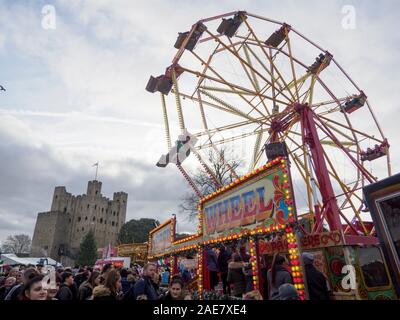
161 238
262 200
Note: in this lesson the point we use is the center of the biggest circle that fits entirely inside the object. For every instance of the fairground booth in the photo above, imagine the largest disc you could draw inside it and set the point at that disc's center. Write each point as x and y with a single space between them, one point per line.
255 216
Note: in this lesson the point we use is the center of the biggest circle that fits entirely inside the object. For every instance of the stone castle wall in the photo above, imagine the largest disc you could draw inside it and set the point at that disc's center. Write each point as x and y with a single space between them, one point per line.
72 217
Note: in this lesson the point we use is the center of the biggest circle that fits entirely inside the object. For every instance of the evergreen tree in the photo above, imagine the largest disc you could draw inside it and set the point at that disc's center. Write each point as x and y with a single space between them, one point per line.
87 250
136 230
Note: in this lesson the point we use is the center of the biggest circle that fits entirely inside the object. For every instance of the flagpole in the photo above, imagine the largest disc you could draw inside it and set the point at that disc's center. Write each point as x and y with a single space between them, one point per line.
97 168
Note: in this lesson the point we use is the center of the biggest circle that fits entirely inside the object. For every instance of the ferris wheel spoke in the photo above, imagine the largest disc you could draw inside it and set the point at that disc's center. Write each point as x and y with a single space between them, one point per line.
243 61
250 75
232 87
344 188
293 98
201 79
303 172
231 139
348 128
338 103
292 65
166 123
256 150
327 131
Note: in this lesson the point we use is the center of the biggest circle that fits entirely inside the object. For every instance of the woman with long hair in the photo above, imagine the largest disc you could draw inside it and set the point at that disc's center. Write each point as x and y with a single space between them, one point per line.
86 288
111 288
277 275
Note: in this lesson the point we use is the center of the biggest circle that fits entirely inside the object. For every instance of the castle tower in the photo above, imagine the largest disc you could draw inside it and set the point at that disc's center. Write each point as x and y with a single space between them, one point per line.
61 230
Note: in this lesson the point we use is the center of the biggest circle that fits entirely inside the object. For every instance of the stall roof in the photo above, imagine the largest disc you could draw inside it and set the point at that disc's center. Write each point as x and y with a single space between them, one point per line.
12 259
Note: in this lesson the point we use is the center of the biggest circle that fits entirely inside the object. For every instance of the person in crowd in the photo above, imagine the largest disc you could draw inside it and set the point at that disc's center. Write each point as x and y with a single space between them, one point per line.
145 285
86 288
175 290
19 277
126 285
244 255
236 276
81 277
165 277
8 285
277 275
287 291
253 295
15 292
223 260
316 281
111 288
14 272
64 292
39 268
212 266
33 289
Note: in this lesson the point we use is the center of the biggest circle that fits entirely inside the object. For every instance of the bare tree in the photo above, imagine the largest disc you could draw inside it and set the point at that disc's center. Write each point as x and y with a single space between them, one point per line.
20 243
221 165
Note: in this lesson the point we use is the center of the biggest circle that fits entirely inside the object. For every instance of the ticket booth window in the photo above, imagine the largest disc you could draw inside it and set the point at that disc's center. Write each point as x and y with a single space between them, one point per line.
390 209
373 267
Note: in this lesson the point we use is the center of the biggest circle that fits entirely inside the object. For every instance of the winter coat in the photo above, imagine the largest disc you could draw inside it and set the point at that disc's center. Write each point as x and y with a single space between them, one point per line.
211 260
101 293
64 293
126 285
147 287
282 276
316 283
85 291
14 293
223 259
4 292
236 277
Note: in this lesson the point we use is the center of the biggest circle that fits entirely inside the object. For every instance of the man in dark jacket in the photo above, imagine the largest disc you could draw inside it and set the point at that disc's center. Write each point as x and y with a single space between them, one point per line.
316 282
145 286
212 266
126 285
223 259
64 292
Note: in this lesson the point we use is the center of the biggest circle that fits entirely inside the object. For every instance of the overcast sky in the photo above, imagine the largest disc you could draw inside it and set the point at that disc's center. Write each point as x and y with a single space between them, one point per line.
75 95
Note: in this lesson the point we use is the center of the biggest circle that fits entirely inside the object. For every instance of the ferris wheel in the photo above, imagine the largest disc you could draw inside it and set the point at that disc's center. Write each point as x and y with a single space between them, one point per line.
255 84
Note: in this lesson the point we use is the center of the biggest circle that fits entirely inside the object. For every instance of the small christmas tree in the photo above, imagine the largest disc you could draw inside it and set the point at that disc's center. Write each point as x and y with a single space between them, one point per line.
87 250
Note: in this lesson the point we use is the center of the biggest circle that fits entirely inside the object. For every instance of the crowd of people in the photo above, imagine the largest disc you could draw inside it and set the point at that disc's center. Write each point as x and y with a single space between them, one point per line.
230 268
110 283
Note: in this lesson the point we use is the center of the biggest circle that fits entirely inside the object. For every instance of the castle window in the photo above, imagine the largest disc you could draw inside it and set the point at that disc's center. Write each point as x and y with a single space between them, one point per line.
56 197
114 214
101 220
96 191
85 218
83 229
112 223
79 219
102 209
69 220
95 206
94 218
88 206
65 209
77 229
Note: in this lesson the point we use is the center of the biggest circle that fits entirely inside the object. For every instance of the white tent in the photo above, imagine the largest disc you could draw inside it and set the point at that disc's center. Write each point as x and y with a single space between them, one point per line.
11 260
